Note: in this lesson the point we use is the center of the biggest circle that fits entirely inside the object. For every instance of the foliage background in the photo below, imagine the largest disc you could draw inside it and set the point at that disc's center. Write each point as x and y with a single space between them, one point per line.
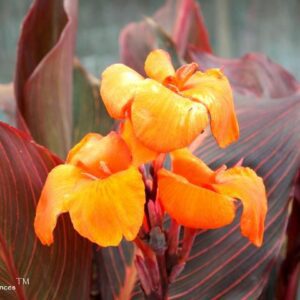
235 27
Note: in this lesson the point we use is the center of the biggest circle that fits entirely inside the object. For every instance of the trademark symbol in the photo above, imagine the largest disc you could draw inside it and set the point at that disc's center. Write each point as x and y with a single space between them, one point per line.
22 281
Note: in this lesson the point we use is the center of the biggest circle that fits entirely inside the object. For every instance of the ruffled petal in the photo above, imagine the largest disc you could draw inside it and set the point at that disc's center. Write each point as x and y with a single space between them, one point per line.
101 156
193 206
117 89
163 120
105 210
213 89
184 163
140 153
158 65
54 200
244 184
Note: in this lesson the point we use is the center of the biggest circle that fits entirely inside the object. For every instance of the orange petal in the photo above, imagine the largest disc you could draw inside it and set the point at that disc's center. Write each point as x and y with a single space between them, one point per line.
213 89
163 120
244 184
158 65
191 205
140 153
101 156
117 89
184 163
54 200
105 210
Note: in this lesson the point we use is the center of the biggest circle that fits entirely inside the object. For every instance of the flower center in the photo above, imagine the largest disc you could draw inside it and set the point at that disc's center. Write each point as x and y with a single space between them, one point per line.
183 74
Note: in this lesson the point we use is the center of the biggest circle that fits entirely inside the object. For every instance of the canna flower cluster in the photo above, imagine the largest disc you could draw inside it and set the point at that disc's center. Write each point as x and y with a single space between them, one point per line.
104 187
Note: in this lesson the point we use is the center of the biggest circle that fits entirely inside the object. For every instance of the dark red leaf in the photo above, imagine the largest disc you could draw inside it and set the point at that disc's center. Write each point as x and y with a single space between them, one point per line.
293 287
183 21
89 112
253 74
223 264
61 271
115 273
178 22
43 81
290 269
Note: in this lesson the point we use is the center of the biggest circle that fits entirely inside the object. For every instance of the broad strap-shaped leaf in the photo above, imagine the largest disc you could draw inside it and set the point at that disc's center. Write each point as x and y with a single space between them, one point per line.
178 24
223 264
61 271
290 268
114 272
43 80
269 144
253 74
89 113
183 21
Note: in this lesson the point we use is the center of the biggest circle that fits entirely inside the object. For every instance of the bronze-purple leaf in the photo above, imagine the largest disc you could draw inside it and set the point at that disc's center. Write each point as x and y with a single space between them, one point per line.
43 80
61 271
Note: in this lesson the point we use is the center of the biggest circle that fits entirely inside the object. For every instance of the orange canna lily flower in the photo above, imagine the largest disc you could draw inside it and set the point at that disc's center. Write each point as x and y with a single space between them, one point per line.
99 187
198 197
168 110
140 153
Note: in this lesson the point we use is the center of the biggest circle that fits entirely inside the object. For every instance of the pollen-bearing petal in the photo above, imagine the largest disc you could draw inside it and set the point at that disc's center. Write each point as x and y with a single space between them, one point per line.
100 156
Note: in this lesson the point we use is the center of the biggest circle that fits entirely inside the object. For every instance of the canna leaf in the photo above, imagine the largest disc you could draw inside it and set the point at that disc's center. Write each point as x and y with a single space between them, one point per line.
176 26
43 81
223 264
61 271
253 74
114 272
89 113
